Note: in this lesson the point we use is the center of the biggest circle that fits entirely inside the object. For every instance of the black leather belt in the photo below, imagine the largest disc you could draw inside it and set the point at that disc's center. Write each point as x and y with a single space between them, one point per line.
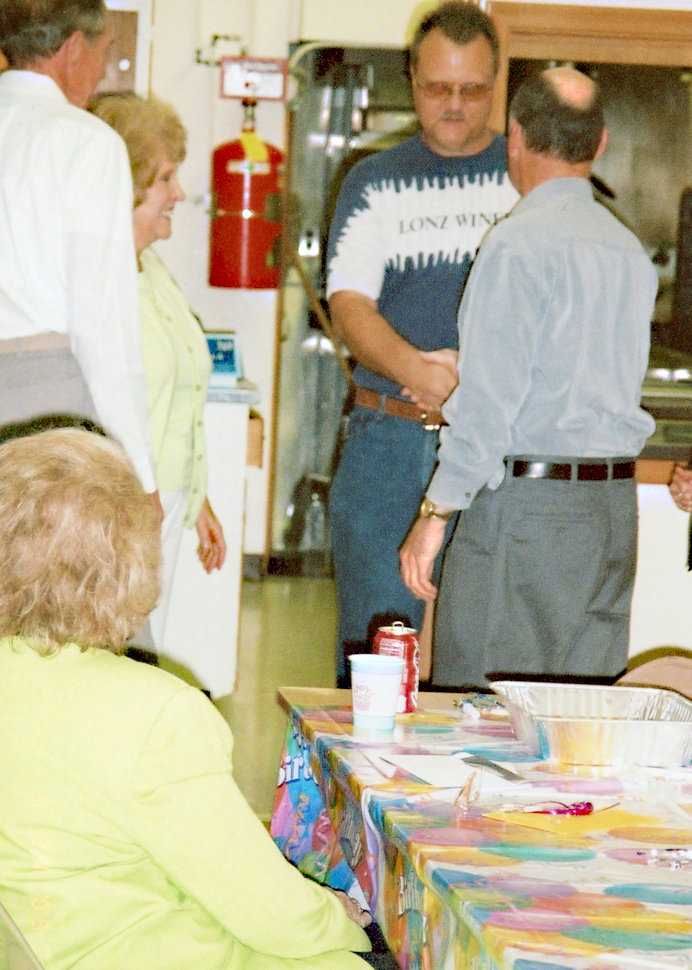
571 471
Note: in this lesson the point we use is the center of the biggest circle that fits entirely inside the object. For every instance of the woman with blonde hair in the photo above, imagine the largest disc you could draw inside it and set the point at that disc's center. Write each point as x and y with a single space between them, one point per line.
176 357
124 840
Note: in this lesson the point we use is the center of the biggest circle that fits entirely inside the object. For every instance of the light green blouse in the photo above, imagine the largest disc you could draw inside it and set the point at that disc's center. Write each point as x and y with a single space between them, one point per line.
177 365
125 843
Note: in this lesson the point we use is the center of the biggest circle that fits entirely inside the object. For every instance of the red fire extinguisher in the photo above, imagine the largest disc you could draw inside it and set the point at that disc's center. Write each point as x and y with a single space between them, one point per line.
245 229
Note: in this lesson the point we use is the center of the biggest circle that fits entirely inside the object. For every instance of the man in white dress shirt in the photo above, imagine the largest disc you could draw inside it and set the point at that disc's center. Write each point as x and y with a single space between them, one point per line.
69 322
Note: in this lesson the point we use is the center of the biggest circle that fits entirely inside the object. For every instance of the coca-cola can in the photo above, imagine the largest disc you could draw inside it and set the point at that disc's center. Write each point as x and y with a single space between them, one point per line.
398 640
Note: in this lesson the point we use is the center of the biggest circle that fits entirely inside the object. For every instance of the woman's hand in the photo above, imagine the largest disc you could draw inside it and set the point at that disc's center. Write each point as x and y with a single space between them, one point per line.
680 487
156 502
353 909
212 545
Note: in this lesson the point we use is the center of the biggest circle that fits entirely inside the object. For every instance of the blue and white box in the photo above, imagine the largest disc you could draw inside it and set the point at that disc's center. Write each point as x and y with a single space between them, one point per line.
225 354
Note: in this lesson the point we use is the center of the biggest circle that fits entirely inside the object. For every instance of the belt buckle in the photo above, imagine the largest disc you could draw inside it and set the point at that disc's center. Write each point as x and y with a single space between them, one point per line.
429 425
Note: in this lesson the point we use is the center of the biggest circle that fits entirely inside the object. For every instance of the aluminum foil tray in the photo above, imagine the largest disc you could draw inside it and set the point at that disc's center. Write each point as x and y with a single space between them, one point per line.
586 724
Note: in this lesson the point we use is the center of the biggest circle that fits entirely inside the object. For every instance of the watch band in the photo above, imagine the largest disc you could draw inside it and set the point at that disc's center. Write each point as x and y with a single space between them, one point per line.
428 510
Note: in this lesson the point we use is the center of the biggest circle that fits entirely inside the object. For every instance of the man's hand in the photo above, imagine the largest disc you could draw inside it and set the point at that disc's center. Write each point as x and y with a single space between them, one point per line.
417 556
680 487
429 376
435 379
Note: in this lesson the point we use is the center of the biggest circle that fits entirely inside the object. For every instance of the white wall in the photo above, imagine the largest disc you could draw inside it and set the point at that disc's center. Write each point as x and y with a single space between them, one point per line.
143 10
389 23
178 31
265 28
662 600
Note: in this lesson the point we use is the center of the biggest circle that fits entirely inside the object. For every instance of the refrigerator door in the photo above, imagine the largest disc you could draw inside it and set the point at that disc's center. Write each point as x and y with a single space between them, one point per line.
347 103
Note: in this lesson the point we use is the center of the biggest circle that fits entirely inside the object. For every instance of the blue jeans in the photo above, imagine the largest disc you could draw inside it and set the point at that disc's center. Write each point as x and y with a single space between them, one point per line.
384 469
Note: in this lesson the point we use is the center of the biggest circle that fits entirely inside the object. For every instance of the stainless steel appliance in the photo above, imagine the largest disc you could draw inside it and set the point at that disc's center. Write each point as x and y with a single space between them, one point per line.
346 102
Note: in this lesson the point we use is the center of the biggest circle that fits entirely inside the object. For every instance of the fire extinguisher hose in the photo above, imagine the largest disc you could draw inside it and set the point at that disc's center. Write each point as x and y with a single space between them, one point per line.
318 309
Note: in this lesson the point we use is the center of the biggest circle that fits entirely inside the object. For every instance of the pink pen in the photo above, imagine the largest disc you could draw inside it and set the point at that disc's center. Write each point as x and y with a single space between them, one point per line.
559 808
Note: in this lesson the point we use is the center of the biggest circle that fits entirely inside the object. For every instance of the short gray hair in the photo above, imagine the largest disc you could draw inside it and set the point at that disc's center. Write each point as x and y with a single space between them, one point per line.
33 29
555 127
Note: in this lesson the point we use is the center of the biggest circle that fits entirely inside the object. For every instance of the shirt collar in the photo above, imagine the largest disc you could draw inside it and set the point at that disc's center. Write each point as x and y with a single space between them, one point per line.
556 189
14 82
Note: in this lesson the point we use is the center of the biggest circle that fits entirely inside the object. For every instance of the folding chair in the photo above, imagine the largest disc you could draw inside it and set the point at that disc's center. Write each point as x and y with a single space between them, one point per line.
15 952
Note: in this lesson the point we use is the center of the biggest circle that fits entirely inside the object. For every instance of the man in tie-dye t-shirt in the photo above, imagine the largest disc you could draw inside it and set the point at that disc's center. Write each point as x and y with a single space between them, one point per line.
407 224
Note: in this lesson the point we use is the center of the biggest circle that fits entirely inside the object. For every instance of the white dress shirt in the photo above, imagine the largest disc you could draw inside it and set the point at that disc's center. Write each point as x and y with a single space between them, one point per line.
67 258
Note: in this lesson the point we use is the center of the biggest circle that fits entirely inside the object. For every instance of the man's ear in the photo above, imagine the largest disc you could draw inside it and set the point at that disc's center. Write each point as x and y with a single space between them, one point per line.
602 144
72 48
514 136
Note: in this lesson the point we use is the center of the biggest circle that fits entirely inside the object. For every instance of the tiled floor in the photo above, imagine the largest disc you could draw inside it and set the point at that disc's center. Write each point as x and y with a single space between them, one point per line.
287 635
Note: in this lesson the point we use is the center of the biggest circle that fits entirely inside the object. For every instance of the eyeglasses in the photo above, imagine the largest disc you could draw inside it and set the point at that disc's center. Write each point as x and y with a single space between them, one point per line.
443 91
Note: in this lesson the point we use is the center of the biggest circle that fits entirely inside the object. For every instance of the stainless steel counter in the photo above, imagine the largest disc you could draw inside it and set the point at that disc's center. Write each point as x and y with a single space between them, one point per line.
667 396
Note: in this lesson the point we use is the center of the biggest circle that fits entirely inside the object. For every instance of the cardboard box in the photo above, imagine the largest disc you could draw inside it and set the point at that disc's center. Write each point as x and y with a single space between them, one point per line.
255 439
654 471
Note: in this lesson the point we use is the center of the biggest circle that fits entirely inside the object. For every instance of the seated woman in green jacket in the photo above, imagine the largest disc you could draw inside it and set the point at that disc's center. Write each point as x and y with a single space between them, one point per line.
125 843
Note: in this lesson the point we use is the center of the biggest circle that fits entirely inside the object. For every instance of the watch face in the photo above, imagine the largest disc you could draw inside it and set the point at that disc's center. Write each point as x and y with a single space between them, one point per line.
428 510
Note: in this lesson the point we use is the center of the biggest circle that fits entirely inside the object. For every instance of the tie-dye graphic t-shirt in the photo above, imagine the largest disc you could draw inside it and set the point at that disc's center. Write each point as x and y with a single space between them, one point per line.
406 226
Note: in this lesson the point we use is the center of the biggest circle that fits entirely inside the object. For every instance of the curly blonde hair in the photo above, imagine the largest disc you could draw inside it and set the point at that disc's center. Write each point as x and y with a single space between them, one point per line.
151 130
79 542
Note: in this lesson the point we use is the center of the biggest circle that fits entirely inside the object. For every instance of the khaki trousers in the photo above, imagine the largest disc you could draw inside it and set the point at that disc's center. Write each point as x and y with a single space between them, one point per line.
41 386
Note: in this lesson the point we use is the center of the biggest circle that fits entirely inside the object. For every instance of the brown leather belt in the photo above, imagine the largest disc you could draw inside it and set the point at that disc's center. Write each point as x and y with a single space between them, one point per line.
431 420
572 471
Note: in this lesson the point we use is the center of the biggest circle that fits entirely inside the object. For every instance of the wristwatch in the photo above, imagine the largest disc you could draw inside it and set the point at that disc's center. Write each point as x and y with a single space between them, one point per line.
428 510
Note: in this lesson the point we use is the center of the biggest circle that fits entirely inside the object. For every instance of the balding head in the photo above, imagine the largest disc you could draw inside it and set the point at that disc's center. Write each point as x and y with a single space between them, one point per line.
572 87
560 112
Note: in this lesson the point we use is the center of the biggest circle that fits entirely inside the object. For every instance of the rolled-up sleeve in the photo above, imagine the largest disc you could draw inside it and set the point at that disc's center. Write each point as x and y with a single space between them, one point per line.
103 314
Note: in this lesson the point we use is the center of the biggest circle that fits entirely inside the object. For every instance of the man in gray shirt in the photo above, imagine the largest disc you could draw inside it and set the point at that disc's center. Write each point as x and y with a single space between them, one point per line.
545 423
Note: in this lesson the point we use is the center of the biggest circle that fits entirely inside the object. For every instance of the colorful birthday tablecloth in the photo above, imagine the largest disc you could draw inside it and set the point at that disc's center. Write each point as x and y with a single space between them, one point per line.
445 829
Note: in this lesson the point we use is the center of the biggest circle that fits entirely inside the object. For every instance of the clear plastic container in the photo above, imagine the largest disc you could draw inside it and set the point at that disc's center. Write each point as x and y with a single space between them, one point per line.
600 725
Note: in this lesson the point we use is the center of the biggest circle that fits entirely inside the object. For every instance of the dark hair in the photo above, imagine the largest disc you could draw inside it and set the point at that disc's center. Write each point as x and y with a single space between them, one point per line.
459 22
553 126
34 29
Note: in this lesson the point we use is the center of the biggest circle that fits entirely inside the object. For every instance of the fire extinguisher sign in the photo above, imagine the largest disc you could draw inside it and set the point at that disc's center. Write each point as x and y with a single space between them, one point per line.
263 79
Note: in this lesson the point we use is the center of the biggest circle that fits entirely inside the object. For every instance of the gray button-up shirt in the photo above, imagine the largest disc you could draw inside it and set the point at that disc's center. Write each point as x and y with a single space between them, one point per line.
554 330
